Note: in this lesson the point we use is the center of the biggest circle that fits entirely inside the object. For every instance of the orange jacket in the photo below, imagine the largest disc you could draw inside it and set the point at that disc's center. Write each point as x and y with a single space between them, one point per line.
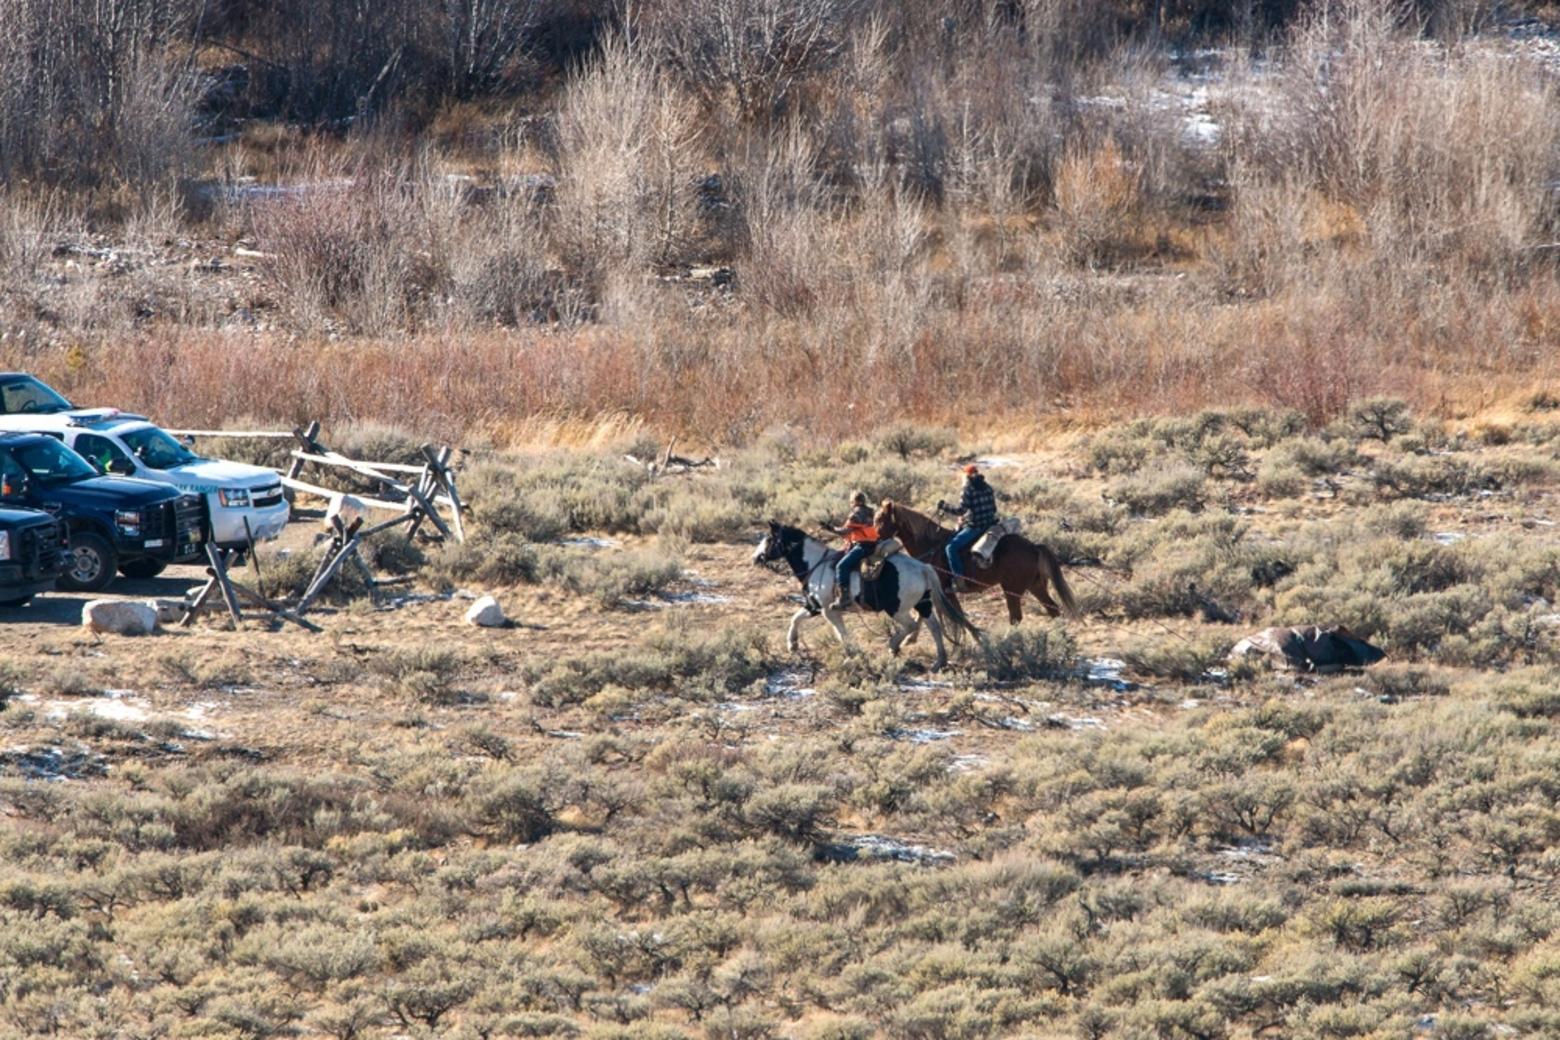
861 533
859 527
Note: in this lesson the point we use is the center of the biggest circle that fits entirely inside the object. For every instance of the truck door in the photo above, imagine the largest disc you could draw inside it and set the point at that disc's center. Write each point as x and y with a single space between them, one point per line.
104 454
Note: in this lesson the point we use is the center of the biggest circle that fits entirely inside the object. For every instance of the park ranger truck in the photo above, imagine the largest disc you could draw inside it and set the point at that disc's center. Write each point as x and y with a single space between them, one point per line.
243 502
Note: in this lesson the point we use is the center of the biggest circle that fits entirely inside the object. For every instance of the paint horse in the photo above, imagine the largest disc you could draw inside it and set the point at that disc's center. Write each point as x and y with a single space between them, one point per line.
908 591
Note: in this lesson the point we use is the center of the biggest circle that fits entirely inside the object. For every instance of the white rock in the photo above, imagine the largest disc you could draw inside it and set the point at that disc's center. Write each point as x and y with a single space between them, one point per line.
486 613
123 617
169 610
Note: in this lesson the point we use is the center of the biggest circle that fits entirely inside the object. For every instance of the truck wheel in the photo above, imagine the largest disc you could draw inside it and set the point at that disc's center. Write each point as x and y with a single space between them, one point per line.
16 602
89 564
145 567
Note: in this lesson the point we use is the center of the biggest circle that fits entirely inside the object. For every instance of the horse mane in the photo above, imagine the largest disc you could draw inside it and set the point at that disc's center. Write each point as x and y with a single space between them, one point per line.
921 528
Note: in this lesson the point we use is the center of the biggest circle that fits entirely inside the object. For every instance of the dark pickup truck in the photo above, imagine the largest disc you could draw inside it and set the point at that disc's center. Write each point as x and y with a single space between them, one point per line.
32 553
113 522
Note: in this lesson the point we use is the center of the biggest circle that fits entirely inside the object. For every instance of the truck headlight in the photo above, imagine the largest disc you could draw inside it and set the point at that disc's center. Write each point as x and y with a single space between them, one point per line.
128 521
238 498
5 545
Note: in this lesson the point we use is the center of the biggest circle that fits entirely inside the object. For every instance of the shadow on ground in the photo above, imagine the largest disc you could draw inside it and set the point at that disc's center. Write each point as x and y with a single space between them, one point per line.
64 608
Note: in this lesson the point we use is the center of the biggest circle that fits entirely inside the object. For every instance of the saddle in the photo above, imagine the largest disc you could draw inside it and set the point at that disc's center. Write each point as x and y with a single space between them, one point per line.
872 566
985 546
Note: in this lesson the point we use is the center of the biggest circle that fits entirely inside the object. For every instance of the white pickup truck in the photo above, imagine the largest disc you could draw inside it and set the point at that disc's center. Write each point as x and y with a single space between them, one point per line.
128 445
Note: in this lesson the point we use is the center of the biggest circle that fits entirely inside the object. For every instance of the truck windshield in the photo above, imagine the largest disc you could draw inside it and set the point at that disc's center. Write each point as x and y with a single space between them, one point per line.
24 395
50 462
157 449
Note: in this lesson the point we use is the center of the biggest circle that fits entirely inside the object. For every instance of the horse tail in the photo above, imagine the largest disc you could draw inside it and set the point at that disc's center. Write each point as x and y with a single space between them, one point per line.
949 612
1051 569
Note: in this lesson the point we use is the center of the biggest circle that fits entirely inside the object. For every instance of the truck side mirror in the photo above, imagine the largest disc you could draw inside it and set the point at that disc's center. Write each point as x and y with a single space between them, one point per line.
121 466
15 486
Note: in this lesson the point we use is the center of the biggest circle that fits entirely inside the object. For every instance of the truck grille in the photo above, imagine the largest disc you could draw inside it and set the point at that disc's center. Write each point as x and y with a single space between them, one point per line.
178 523
264 498
157 521
40 550
190 519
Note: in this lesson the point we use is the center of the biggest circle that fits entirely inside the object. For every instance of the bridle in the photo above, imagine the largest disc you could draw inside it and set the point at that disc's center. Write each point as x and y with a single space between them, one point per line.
772 562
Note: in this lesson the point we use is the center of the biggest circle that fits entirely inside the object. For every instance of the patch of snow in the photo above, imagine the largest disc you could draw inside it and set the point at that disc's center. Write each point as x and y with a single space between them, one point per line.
587 542
1448 537
735 706
1108 671
967 763
995 462
924 736
855 847
1082 722
1259 849
923 685
115 705
677 599
788 683
411 599
701 598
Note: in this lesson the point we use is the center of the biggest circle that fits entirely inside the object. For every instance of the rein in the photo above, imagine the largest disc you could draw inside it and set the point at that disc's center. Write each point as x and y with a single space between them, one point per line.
800 549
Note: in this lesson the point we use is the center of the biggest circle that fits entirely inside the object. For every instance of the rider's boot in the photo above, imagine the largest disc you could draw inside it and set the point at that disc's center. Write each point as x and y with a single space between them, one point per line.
842 597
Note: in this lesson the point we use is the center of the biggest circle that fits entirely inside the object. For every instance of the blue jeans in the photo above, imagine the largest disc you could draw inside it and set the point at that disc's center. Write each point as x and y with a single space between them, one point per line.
966 537
849 562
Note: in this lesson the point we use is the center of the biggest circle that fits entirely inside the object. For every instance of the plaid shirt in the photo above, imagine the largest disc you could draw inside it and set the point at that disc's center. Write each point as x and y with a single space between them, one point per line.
978 505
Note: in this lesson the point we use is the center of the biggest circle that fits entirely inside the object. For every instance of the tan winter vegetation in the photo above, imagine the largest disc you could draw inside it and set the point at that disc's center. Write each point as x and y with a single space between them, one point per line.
1250 311
635 815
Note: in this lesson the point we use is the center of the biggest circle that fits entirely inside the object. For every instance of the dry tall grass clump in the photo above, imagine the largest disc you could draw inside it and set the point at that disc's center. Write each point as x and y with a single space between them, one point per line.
1443 154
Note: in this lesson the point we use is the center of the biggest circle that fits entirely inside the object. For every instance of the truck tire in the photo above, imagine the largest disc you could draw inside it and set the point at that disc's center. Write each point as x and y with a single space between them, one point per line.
142 568
90 563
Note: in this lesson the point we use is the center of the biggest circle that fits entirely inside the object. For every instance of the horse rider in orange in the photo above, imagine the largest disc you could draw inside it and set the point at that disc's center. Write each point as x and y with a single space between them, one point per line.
862 537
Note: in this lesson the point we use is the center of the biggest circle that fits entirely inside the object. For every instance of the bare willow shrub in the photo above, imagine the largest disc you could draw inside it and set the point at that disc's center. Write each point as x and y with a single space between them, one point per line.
372 250
28 226
627 157
753 55
790 229
96 89
483 39
1099 202
1270 232
1442 152
500 274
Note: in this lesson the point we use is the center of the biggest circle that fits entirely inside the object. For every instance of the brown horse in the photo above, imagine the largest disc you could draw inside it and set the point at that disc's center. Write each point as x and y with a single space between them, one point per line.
1018 565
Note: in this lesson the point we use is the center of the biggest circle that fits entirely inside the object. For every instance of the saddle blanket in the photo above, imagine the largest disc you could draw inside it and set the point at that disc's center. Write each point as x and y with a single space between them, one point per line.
986 544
